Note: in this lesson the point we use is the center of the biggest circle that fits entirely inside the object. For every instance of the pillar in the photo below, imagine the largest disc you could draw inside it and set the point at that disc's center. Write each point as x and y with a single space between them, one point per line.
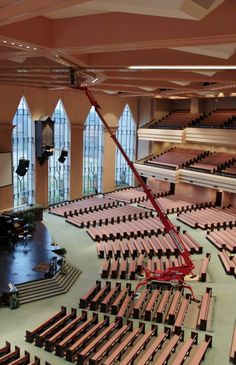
76 161
109 162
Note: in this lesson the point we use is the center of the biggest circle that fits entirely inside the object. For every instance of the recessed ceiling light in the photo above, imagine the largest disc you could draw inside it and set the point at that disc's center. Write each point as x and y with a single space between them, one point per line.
4 41
13 43
20 45
34 49
27 46
181 67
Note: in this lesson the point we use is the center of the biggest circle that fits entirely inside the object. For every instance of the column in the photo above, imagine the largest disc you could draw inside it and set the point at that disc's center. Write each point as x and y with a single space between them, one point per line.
6 192
109 162
76 161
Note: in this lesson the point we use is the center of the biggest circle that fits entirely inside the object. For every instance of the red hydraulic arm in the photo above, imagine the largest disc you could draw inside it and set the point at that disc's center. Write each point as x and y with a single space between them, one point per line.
172 274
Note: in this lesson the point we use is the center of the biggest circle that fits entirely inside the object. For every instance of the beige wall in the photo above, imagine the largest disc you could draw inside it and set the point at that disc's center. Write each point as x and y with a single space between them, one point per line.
229 199
43 102
194 191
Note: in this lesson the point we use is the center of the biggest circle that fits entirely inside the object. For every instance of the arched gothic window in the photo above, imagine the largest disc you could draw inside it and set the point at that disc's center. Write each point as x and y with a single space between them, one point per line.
93 154
126 135
59 173
23 148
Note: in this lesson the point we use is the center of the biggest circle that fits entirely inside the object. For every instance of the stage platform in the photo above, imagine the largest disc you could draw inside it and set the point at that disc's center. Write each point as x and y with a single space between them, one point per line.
17 263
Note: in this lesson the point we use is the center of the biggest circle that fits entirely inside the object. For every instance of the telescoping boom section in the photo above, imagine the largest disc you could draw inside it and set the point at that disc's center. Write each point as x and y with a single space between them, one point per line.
172 274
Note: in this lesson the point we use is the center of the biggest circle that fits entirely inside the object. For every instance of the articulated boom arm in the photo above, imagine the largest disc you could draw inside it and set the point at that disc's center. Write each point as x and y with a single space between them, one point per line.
172 273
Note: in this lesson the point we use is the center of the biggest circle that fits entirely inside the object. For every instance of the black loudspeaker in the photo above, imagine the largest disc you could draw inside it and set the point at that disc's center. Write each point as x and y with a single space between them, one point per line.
22 167
63 156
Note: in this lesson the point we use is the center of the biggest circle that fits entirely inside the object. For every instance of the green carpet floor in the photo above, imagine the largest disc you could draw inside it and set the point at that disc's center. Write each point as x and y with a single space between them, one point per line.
81 251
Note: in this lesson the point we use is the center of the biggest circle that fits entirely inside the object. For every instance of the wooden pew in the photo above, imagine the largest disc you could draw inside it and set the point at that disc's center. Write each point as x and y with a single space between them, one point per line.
171 315
139 346
204 268
106 348
92 346
132 270
115 269
92 332
23 360
199 355
154 347
181 314
71 338
84 301
152 305
11 356
6 349
126 308
204 310
185 349
140 305
123 269
36 361
95 302
169 349
162 306
232 356
106 268
106 303
30 335
40 338
59 335
128 341
120 298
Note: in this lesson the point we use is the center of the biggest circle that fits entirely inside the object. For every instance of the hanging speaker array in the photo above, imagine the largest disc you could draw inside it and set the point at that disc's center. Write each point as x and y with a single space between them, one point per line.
23 166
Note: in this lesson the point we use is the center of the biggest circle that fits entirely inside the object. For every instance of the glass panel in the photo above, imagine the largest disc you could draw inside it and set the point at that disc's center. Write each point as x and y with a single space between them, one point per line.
23 147
126 135
59 173
93 146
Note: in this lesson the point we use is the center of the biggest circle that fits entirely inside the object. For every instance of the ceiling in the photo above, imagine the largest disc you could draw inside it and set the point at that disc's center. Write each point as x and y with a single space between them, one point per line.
63 43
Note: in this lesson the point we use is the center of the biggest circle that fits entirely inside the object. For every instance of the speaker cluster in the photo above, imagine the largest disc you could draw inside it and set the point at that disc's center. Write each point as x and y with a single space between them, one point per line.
23 166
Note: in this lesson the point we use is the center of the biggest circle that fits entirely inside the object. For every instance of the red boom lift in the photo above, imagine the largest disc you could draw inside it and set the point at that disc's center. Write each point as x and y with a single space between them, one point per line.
172 274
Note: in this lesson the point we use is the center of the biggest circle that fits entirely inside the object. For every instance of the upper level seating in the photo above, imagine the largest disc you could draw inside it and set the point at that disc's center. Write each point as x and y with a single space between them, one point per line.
229 170
213 162
209 218
176 158
129 195
218 119
176 120
176 203
81 205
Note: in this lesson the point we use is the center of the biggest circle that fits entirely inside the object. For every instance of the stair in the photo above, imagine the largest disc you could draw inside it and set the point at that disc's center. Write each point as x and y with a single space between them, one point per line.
46 288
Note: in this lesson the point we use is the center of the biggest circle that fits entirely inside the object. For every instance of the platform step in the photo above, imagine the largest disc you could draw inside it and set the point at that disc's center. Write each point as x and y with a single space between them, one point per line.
46 288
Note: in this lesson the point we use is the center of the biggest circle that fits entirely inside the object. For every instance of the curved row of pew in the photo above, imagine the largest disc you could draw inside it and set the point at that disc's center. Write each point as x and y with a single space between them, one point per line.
209 218
228 262
175 204
156 305
88 339
223 239
127 269
82 205
109 215
151 245
14 357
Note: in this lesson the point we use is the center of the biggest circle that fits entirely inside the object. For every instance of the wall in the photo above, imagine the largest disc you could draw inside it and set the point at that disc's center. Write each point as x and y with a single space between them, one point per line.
196 192
156 186
43 102
229 199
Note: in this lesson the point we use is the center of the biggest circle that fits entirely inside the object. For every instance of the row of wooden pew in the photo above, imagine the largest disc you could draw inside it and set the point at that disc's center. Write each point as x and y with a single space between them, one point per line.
14 357
209 218
128 195
109 215
88 339
228 262
88 204
213 162
162 306
175 204
223 239
176 120
151 245
176 158
128 268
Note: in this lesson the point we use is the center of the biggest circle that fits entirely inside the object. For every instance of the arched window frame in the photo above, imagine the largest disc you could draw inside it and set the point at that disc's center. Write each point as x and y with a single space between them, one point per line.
23 146
126 135
93 149
59 173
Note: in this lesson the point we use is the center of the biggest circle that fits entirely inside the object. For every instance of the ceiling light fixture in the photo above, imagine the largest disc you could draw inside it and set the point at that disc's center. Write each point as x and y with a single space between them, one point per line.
182 67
